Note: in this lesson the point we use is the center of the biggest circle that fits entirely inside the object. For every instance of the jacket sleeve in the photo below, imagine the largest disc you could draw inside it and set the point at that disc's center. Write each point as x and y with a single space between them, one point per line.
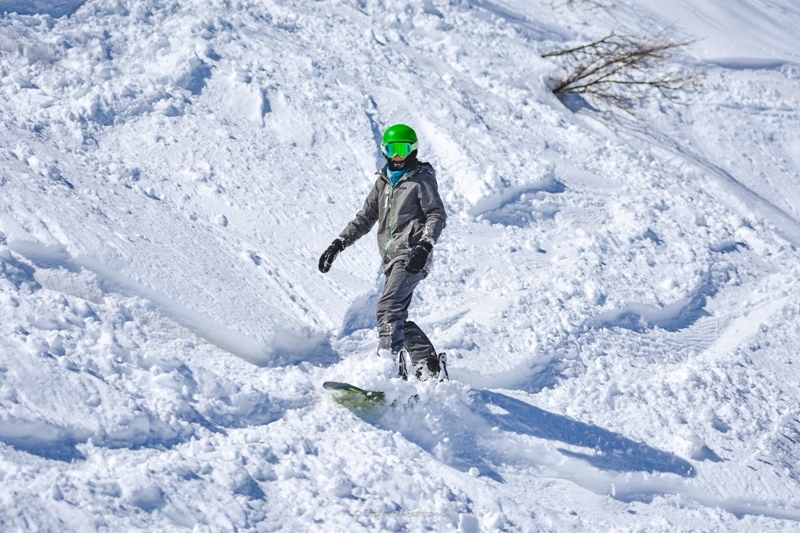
363 221
433 208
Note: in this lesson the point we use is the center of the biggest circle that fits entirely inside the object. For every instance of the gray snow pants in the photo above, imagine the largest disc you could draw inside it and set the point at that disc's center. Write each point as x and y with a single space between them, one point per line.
394 330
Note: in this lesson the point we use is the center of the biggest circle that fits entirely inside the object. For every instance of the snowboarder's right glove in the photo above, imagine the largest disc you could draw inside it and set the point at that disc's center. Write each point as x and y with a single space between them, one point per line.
329 255
418 257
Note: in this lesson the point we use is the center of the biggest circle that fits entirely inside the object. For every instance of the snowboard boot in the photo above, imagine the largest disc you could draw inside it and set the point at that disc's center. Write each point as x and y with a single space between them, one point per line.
434 367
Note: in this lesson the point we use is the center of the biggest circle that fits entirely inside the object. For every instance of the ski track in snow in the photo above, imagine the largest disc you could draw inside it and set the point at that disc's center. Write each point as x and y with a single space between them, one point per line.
618 295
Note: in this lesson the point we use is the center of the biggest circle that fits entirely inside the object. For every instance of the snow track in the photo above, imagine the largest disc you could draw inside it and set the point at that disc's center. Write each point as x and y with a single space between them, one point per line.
618 296
249 349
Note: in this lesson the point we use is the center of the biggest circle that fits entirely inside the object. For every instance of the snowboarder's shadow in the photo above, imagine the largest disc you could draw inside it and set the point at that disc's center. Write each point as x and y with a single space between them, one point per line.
612 451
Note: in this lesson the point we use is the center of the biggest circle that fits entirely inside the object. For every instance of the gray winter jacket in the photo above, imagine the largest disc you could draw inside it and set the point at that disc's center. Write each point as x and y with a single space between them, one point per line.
406 213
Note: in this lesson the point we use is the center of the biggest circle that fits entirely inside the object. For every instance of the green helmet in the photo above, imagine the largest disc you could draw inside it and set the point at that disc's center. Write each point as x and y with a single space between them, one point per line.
399 133
399 141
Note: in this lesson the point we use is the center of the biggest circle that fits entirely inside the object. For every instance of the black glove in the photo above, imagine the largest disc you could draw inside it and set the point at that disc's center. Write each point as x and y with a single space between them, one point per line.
418 257
329 255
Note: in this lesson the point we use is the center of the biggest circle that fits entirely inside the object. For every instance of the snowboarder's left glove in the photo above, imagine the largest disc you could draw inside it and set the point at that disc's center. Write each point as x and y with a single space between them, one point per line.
418 257
329 255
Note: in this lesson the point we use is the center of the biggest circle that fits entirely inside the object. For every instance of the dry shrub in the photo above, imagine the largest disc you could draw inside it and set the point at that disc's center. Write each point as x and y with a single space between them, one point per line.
621 70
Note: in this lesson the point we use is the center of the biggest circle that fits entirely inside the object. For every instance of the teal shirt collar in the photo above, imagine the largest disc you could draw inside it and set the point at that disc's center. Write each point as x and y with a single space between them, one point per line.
394 175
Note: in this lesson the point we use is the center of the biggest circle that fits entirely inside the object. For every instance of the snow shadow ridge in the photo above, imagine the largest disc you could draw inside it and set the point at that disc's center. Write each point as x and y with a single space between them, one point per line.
63 449
54 8
15 271
284 347
612 451
673 317
147 430
575 103
513 206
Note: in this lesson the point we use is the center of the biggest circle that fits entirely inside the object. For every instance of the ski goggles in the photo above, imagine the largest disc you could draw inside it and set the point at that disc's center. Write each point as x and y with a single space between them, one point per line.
402 150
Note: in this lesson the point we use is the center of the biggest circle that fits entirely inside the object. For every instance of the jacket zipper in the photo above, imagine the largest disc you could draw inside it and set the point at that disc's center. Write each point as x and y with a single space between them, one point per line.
389 220
391 208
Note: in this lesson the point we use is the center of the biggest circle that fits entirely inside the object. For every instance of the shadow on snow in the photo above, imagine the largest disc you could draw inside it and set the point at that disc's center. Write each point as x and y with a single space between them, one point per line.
462 435
515 206
612 450
59 443
673 317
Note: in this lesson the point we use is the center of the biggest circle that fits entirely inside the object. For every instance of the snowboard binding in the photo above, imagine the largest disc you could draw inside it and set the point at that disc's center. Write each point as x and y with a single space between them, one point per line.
402 368
433 367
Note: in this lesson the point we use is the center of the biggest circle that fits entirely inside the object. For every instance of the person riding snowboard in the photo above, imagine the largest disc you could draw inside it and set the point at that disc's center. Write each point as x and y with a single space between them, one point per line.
410 214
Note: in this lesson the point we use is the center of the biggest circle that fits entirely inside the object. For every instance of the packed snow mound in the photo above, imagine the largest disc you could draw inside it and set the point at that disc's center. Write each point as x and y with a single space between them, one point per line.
617 294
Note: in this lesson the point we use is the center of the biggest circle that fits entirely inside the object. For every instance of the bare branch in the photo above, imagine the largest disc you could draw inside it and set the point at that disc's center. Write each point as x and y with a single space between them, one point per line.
621 69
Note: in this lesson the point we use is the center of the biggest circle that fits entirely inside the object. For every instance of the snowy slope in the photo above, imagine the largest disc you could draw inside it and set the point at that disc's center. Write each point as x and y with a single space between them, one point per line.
618 295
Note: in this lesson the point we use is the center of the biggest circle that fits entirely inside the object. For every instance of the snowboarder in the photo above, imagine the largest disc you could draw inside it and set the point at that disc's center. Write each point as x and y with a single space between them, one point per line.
410 214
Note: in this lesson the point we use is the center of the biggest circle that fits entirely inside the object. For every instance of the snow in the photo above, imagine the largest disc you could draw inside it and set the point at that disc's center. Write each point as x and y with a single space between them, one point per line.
617 294
738 33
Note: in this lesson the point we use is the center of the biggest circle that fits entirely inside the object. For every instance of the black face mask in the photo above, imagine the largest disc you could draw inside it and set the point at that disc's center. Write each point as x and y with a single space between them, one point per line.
404 164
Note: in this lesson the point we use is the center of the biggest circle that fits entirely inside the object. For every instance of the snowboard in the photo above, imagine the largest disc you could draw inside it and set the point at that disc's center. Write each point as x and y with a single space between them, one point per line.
359 399
352 395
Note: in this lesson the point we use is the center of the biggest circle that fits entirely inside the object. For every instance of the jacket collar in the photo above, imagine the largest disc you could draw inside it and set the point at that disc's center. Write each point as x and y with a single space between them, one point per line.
410 172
